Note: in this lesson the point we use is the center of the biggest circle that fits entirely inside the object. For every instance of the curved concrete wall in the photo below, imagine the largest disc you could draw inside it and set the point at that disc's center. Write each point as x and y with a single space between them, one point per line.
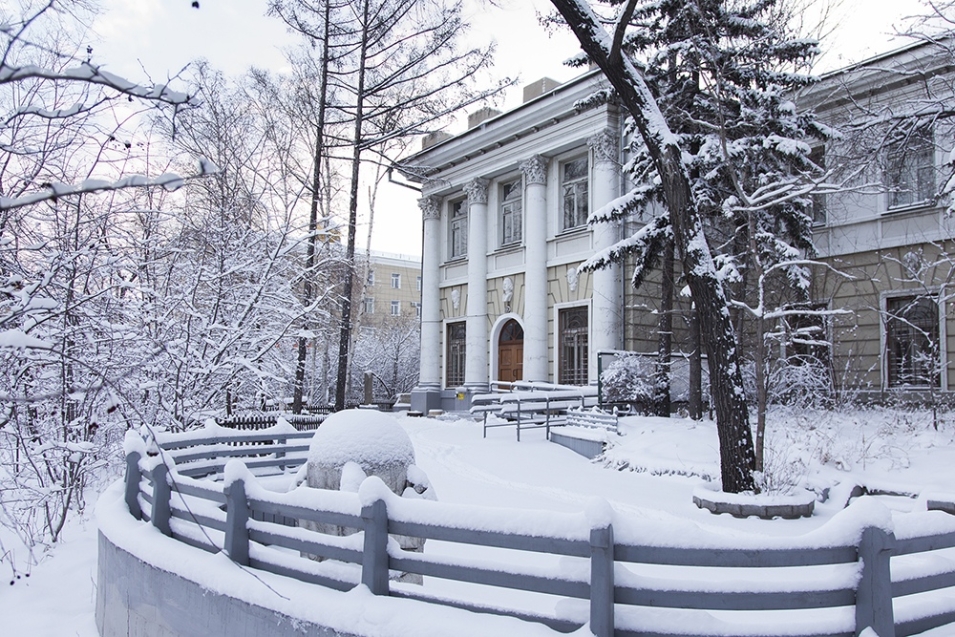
136 599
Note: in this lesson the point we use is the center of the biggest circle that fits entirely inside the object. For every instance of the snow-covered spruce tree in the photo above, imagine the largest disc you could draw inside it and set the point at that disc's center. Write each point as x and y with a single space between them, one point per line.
719 144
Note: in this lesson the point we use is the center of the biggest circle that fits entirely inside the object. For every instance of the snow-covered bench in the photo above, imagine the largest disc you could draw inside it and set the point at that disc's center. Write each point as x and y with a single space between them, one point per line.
594 418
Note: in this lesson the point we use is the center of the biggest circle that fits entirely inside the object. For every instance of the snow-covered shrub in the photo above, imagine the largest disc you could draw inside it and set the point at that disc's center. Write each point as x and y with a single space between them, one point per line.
805 382
629 379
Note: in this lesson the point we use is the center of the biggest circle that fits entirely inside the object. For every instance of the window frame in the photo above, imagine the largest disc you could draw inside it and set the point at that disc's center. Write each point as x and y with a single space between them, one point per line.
369 303
458 229
910 158
396 308
576 371
906 336
574 184
455 360
395 281
511 212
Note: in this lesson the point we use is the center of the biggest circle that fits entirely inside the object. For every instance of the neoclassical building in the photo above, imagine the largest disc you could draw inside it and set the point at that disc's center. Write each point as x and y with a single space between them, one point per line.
505 207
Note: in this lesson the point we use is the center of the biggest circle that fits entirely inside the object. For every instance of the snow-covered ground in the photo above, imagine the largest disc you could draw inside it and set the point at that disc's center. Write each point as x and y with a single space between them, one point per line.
650 472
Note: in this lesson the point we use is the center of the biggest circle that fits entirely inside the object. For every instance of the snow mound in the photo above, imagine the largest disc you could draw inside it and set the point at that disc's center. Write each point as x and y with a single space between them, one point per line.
368 438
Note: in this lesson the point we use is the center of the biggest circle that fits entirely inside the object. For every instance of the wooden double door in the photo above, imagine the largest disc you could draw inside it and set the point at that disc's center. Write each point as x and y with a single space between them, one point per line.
510 352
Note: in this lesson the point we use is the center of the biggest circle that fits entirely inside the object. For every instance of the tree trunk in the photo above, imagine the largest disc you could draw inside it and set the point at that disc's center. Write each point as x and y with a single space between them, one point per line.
661 389
737 457
308 290
696 367
341 378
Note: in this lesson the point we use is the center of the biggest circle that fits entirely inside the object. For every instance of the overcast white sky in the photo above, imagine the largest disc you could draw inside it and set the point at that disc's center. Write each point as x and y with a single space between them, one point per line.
160 37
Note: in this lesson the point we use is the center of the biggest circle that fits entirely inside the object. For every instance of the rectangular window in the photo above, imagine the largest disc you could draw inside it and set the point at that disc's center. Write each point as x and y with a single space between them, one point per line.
396 281
911 341
369 305
417 309
458 229
511 212
419 284
574 191
910 169
818 157
456 354
371 277
573 346
396 308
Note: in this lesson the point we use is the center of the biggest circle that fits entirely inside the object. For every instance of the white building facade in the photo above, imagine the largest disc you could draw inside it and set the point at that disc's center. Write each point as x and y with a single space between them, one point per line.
505 208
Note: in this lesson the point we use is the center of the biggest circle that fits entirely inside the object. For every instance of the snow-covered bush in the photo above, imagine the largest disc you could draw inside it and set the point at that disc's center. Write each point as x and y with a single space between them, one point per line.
629 379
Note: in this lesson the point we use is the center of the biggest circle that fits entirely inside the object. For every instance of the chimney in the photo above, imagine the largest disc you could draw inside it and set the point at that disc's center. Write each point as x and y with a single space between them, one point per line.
481 115
538 88
433 139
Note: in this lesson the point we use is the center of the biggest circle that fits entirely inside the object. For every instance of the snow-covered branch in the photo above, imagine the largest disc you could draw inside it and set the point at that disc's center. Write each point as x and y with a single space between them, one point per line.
55 191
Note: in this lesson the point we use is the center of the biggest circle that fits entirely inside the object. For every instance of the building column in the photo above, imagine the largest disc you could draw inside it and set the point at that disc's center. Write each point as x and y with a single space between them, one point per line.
427 395
476 358
535 269
607 311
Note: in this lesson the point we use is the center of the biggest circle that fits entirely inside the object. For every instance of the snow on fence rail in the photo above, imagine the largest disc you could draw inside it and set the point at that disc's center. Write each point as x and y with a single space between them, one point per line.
636 578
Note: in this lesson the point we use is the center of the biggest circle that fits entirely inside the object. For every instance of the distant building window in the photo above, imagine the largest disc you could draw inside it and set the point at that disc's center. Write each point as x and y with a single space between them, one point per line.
369 305
574 184
458 229
511 212
456 354
910 168
574 347
396 308
371 277
419 284
396 281
818 157
417 309
911 341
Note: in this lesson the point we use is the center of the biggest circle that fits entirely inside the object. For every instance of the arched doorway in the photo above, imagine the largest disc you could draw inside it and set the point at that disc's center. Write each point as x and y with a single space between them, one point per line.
510 352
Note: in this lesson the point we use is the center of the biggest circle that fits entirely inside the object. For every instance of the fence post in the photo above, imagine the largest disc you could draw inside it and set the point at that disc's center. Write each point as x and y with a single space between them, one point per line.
133 478
281 454
374 559
874 594
601 581
161 494
236 522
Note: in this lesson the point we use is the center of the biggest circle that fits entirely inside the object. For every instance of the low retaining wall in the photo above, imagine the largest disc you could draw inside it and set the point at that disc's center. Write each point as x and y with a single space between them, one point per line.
137 599
587 448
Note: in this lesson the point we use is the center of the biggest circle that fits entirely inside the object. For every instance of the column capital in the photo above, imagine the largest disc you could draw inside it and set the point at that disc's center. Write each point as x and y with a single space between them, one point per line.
430 207
604 145
535 170
476 190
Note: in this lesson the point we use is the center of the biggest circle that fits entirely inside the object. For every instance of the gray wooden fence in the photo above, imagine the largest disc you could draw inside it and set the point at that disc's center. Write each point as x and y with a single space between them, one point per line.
246 521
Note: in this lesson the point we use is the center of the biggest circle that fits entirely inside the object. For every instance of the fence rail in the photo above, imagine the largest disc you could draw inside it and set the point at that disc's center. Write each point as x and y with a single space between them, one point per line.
846 576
